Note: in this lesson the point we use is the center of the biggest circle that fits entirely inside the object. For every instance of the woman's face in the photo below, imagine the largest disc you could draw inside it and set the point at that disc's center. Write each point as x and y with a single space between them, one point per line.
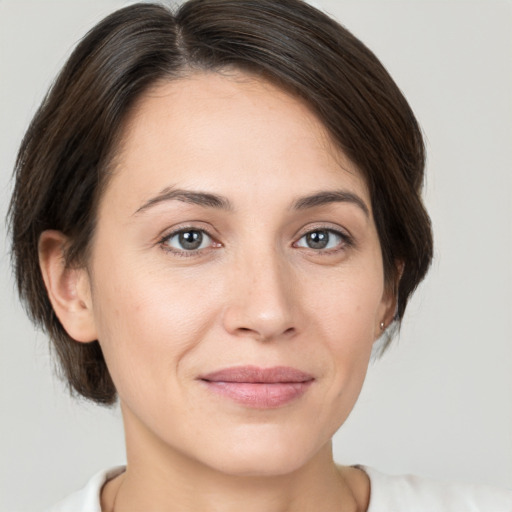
236 278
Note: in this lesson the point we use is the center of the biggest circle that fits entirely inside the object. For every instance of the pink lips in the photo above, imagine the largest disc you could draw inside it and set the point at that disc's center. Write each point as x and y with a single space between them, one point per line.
261 388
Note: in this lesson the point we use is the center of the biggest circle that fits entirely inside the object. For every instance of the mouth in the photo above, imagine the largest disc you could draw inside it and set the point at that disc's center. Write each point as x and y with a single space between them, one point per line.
259 388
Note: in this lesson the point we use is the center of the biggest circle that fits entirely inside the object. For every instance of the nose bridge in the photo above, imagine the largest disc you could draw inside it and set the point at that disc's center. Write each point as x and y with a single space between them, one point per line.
261 298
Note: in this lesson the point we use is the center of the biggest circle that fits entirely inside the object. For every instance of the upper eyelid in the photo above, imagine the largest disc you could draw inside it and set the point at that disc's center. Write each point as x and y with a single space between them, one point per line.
330 230
337 232
172 234
325 227
189 226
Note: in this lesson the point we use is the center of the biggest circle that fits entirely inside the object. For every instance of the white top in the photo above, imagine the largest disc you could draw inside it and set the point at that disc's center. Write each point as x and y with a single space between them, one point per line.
388 494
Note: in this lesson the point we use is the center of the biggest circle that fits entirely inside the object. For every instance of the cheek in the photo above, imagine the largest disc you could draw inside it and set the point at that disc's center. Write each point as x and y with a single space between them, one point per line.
147 324
349 345
347 305
343 314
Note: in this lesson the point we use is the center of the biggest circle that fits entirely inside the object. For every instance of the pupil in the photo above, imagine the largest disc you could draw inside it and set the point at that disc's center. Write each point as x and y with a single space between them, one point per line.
191 240
317 239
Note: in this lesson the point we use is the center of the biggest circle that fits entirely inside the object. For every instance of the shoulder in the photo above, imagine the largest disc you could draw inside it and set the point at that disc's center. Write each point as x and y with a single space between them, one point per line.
409 493
87 499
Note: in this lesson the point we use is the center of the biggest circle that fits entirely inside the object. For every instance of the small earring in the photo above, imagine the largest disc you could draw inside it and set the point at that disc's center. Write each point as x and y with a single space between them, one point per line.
382 326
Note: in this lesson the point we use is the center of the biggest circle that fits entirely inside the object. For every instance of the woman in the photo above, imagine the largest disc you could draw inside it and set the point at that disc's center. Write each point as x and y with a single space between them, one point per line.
216 215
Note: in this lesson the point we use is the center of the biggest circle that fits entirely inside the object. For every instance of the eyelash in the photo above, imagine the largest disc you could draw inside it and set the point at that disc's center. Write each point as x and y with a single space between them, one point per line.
164 242
346 241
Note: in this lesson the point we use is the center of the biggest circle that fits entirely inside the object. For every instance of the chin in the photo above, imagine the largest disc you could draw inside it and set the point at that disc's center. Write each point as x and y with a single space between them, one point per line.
261 466
263 455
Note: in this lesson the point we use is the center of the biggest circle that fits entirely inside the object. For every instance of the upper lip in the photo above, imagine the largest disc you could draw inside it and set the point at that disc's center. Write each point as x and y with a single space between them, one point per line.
254 374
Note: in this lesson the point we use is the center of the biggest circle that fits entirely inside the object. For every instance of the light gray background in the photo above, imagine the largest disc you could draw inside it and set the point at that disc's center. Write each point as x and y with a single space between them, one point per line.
440 401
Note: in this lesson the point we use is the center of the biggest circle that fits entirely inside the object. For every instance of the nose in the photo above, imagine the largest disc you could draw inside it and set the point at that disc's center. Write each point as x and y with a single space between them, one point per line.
262 299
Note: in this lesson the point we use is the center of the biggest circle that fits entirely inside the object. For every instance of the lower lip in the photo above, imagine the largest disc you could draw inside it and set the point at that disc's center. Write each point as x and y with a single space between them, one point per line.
260 395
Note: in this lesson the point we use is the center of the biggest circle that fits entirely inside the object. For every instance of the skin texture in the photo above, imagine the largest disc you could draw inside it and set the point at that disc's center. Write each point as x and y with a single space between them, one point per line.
254 294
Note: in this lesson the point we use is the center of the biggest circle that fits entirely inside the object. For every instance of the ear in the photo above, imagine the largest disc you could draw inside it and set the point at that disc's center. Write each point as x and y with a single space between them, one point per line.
68 288
389 301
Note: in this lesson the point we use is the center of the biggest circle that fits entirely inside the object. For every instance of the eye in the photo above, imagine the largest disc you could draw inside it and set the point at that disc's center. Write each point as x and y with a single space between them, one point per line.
322 239
188 240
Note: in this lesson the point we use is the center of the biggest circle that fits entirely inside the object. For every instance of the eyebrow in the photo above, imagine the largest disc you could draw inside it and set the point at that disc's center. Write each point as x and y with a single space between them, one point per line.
187 196
330 196
209 200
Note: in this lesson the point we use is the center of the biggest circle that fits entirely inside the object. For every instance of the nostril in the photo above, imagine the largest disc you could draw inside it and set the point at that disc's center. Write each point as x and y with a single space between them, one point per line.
289 332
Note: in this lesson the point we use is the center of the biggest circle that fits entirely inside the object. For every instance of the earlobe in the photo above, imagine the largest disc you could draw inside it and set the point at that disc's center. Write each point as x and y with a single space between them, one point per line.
389 303
386 317
389 311
68 288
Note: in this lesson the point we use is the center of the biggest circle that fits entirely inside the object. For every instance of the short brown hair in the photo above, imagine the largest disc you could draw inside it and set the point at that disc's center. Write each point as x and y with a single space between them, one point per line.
63 160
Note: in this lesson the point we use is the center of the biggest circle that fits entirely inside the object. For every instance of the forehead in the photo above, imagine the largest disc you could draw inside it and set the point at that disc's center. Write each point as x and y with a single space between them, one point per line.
211 127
